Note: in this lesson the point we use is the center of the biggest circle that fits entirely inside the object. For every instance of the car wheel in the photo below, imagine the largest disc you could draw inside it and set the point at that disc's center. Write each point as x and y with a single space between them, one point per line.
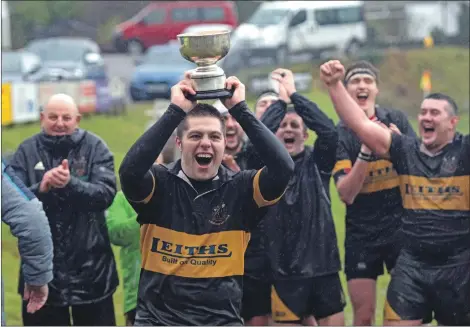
135 47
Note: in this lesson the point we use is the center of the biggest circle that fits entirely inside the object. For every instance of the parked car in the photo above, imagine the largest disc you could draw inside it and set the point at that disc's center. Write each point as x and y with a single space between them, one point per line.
21 66
160 68
162 21
79 58
198 28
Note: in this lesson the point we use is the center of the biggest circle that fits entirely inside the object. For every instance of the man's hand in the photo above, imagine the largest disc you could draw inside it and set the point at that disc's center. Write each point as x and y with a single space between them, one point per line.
285 77
37 296
238 93
45 185
60 176
331 72
179 92
230 162
394 129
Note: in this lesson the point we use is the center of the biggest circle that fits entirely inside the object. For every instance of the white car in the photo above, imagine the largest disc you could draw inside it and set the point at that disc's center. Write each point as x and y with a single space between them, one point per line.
207 28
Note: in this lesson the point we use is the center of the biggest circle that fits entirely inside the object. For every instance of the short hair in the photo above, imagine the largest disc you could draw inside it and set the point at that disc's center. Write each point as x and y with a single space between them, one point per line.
361 67
200 110
291 110
266 93
441 96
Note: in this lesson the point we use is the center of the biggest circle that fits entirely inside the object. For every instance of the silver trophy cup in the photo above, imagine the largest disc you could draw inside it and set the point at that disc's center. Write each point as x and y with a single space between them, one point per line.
205 49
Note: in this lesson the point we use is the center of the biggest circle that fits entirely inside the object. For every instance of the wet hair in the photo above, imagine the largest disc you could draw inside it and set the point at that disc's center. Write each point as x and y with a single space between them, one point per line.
361 67
291 110
265 93
200 110
453 109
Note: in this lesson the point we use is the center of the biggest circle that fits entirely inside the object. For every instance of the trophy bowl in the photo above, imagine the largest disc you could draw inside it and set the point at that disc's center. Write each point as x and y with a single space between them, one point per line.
205 49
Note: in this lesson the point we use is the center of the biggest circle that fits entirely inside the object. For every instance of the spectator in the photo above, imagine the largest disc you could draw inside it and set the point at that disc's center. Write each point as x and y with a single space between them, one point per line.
22 211
123 231
71 171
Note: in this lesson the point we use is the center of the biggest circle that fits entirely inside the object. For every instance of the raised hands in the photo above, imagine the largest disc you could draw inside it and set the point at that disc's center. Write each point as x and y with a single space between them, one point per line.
179 92
332 72
238 94
285 77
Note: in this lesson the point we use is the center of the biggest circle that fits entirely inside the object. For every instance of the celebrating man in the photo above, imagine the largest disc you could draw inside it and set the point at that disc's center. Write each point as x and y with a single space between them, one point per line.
370 188
432 271
196 215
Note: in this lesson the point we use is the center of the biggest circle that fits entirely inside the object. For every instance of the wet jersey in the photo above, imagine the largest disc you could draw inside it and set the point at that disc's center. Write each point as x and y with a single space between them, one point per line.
374 216
436 196
301 233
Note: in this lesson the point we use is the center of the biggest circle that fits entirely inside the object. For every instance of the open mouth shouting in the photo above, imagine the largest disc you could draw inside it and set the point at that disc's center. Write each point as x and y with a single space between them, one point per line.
361 98
204 159
231 136
428 130
289 142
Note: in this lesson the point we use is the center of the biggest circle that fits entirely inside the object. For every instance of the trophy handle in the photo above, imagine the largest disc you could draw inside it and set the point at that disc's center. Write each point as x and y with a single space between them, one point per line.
211 95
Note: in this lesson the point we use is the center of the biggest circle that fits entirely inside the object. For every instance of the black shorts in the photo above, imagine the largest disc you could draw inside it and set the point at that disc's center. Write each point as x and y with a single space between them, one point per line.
363 260
256 299
417 290
296 299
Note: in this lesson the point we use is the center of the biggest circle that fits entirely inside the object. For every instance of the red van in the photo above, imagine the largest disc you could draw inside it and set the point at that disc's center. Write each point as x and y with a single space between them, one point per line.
161 21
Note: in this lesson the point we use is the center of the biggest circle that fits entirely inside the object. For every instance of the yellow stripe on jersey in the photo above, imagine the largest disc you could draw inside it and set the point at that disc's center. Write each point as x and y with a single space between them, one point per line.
148 197
258 197
381 176
341 165
280 311
442 193
389 313
175 253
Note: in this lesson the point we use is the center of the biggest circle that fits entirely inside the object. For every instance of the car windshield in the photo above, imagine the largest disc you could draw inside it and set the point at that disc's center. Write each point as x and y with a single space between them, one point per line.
58 50
267 17
165 57
11 63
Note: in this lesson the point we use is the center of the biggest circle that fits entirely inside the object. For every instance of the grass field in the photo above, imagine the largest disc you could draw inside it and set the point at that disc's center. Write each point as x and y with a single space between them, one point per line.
120 133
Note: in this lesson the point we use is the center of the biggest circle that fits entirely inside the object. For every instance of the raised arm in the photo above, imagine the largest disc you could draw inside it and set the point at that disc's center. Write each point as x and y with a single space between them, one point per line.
349 178
274 177
137 181
317 121
375 137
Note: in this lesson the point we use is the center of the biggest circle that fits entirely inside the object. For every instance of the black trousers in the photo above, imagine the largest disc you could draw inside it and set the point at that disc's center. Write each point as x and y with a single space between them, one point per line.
94 314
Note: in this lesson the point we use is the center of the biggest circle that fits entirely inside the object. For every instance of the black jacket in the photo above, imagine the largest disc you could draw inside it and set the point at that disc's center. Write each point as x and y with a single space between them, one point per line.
84 266
299 231
194 233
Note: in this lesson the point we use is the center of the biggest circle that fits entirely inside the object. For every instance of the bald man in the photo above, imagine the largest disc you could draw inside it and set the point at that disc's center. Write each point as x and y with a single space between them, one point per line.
71 171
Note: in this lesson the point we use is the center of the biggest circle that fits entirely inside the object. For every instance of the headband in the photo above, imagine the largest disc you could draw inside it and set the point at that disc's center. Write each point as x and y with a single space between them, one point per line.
356 71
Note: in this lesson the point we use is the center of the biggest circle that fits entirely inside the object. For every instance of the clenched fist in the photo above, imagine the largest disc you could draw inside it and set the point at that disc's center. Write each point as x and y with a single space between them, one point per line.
332 72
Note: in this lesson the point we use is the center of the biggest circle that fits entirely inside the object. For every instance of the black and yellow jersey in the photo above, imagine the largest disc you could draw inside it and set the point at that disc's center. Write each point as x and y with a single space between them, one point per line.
372 217
184 235
436 195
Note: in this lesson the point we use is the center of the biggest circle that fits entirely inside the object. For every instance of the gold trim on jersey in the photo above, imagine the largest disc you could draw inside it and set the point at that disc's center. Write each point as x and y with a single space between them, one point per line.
380 176
389 313
440 193
341 165
148 197
258 197
210 255
280 311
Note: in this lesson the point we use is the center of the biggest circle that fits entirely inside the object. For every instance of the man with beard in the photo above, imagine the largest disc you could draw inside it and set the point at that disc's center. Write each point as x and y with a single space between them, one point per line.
432 271
369 186
196 215
303 251
71 171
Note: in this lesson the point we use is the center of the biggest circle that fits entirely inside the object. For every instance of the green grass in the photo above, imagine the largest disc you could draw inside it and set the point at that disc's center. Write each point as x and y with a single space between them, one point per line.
120 133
